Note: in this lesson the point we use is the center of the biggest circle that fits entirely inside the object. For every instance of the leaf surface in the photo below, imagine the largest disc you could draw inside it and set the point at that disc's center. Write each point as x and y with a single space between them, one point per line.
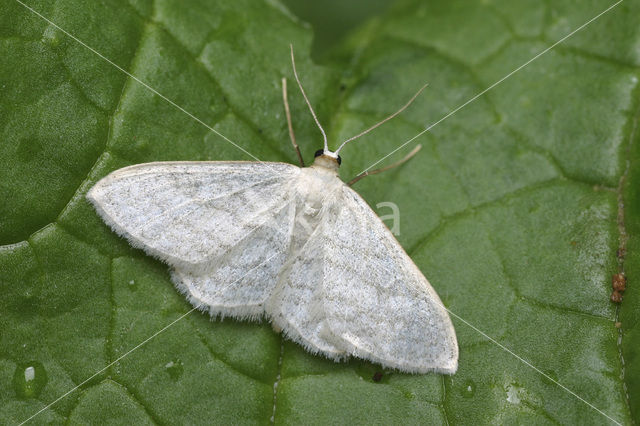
513 209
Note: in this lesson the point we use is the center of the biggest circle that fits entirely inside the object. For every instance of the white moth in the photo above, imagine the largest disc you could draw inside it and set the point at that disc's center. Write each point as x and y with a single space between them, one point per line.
295 245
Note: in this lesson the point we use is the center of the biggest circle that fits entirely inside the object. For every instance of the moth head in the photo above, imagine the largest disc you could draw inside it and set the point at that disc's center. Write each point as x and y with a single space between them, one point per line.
327 159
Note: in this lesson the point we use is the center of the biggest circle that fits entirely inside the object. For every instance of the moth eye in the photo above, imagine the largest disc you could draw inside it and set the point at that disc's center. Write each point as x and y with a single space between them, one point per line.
319 153
339 160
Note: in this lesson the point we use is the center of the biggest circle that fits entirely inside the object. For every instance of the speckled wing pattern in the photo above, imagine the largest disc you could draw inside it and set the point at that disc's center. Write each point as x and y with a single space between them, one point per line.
376 300
215 223
296 305
249 240
190 213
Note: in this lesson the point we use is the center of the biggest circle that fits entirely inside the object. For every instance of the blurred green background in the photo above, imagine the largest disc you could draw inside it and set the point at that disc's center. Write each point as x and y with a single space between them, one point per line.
333 19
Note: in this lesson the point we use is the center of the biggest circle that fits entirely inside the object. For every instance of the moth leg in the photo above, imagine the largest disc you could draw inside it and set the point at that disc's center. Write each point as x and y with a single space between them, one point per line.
292 135
407 157
276 328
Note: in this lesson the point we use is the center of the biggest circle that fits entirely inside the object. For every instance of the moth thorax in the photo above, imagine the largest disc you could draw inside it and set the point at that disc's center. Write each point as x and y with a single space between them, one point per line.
312 208
327 162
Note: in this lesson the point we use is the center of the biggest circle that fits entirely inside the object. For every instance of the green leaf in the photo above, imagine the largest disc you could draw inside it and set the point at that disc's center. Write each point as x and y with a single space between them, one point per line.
515 209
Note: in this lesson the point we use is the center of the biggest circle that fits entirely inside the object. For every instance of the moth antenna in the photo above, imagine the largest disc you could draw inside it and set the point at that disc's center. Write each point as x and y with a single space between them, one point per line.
406 158
287 112
295 73
383 121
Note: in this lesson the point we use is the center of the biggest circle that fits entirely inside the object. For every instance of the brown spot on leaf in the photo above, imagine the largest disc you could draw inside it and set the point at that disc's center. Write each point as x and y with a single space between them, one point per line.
616 296
619 282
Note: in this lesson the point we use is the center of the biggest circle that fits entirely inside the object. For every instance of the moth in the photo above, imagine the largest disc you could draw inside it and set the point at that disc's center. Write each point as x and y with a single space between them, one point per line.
295 245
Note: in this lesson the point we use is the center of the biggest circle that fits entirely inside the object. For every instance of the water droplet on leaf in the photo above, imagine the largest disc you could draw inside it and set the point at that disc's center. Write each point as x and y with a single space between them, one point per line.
132 285
29 379
175 368
468 389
